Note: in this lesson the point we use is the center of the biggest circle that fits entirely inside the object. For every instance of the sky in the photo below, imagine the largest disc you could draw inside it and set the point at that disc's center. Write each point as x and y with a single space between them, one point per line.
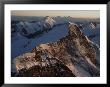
72 13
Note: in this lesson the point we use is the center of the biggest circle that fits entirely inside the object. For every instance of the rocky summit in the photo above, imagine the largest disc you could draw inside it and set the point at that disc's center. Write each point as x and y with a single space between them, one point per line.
71 56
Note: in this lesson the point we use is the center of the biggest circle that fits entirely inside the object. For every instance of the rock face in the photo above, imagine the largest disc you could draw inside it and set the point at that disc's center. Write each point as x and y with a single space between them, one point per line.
41 65
73 55
93 25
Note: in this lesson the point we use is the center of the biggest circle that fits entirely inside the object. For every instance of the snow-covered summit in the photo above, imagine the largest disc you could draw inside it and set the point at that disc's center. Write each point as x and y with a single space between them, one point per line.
49 22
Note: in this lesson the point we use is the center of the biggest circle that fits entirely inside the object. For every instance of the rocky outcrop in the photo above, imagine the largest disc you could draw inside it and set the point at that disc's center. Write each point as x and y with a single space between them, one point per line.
93 25
75 54
41 64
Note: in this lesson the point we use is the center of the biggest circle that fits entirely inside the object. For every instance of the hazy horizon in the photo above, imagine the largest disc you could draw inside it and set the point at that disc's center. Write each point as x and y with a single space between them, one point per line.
53 13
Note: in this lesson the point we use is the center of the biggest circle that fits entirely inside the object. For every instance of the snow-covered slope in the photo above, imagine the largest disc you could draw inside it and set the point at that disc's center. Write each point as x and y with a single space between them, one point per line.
32 29
92 32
